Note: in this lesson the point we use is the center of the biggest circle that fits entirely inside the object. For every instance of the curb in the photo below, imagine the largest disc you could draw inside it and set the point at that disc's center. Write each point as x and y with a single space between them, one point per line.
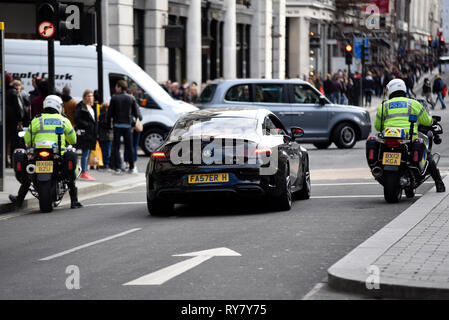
351 273
94 188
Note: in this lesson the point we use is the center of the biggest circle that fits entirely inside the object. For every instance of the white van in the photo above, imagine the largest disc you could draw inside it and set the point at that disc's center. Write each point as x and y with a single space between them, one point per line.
76 67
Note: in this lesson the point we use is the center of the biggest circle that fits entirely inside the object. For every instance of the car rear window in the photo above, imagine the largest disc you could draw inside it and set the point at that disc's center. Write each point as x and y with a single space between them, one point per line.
208 93
213 127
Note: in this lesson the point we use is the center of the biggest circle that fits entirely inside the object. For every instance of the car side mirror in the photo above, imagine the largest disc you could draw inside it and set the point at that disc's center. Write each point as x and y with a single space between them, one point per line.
297 132
323 101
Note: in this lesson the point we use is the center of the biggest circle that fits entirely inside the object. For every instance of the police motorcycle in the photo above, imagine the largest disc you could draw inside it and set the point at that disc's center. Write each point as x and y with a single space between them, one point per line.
45 170
399 162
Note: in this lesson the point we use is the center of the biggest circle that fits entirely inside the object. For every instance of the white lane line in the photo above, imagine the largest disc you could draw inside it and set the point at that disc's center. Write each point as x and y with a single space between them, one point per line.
314 291
113 204
354 196
89 244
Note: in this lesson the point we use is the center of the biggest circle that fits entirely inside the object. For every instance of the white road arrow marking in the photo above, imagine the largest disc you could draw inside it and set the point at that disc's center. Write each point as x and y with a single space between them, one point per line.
161 276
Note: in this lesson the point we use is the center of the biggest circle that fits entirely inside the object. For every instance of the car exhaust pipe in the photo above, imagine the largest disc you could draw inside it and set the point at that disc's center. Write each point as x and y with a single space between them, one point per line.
377 172
31 169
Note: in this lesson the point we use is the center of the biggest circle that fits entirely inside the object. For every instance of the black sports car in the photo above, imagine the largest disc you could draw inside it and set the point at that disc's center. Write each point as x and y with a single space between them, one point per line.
232 152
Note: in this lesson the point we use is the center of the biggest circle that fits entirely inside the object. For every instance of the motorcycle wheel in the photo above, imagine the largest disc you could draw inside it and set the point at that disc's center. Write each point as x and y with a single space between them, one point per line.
44 189
392 189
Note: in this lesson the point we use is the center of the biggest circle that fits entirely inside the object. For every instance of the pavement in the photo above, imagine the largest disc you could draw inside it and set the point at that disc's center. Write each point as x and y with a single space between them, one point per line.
105 182
407 259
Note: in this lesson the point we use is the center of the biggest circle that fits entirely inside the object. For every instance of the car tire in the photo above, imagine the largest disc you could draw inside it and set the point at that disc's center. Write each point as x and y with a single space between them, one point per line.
150 139
283 202
345 136
322 145
159 207
306 190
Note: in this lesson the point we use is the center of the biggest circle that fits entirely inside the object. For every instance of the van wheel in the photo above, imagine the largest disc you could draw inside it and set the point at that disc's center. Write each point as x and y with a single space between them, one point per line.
152 139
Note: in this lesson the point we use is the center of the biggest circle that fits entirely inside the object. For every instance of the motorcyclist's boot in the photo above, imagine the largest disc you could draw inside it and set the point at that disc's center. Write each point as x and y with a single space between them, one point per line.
436 176
74 203
18 200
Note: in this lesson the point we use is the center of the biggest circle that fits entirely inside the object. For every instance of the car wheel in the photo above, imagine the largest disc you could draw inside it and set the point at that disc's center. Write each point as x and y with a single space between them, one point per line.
152 139
322 145
159 207
304 193
345 136
284 201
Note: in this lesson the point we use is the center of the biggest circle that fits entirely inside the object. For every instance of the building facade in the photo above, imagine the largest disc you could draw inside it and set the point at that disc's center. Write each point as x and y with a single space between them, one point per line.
197 40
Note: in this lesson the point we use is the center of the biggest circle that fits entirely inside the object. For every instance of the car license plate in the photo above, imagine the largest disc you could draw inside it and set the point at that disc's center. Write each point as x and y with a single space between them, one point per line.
208 178
44 166
392 159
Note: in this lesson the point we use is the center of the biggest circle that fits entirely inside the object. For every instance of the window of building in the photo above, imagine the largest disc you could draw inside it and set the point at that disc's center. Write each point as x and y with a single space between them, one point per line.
139 46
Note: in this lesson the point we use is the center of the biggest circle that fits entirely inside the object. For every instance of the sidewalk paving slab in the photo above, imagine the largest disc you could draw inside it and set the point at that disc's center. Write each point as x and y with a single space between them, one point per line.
106 181
411 253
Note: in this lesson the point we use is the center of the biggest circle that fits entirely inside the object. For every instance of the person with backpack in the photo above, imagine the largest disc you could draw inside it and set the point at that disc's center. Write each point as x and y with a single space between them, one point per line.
438 87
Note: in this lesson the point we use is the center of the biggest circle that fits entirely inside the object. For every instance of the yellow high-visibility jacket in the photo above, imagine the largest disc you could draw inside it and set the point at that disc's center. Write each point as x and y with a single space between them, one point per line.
395 114
42 129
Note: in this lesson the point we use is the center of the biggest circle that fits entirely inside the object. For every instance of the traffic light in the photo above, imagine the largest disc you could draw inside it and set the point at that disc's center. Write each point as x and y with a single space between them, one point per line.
429 40
47 18
349 51
314 41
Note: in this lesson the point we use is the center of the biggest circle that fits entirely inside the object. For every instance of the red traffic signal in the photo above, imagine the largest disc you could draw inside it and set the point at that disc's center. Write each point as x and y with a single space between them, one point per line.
348 48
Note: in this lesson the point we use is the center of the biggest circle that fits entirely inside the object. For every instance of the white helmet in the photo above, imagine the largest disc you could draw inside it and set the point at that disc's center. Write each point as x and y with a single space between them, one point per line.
53 102
396 85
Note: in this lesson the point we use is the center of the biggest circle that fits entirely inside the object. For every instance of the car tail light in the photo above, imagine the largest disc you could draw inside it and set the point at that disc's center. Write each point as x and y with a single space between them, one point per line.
19 166
393 143
44 154
266 151
158 155
371 154
70 165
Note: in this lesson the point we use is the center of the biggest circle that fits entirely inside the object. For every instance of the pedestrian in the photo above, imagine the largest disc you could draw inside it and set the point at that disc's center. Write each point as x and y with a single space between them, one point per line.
22 99
123 107
427 92
336 90
37 104
176 93
105 136
69 107
192 96
327 86
438 87
135 143
87 130
368 87
12 118
35 92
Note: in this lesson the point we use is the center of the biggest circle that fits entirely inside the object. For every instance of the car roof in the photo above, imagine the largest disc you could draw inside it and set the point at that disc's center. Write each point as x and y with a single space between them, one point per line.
230 112
258 81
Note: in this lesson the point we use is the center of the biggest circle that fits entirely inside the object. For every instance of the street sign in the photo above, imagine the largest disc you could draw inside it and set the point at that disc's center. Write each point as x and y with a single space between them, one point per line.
2 106
46 29
165 274
358 42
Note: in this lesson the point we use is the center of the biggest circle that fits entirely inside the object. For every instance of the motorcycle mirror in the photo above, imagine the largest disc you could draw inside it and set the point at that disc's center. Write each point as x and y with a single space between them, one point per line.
21 134
437 118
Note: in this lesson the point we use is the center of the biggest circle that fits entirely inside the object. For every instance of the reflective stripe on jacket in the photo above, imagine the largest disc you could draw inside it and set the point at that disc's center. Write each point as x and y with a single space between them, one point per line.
43 128
395 114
